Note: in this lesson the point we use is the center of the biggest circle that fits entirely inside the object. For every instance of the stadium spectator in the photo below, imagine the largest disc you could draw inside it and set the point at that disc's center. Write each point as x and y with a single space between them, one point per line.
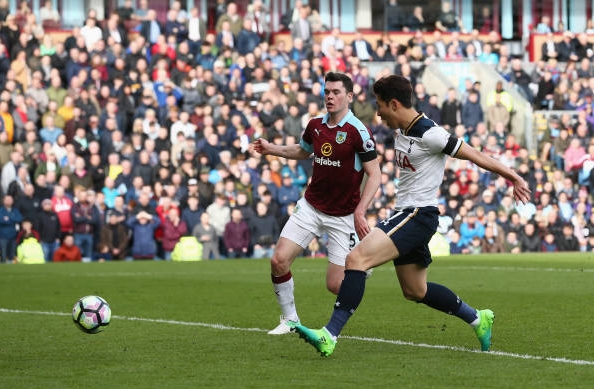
220 214
362 49
264 231
450 110
237 236
62 206
471 112
68 251
143 226
300 26
206 234
173 229
150 28
114 238
566 240
260 17
471 228
394 16
10 220
448 20
85 222
490 244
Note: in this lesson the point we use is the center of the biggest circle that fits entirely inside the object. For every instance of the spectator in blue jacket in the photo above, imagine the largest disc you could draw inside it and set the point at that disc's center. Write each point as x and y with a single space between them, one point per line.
10 219
472 112
287 193
247 39
471 228
143 226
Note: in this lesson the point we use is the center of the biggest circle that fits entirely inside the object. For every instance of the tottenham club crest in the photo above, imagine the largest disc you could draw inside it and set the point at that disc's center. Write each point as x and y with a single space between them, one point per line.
341 137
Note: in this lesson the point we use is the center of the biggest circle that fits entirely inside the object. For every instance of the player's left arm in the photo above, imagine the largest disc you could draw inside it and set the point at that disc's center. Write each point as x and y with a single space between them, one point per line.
521 190
372 183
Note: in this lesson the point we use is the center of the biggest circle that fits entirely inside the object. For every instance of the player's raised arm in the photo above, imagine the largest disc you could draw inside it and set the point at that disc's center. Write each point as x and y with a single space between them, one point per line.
294 151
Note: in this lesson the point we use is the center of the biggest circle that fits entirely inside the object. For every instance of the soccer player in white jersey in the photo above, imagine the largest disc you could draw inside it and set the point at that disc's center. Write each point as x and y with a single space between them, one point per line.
343 151
422 148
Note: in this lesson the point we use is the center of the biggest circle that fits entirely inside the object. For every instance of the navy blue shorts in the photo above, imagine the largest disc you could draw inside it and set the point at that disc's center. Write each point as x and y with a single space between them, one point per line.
411 229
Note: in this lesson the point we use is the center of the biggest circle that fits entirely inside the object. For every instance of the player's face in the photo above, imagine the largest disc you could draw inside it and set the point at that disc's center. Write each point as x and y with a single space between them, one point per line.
384 111
337 98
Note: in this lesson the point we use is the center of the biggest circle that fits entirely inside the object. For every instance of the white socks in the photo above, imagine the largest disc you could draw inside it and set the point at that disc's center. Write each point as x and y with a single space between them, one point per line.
286 300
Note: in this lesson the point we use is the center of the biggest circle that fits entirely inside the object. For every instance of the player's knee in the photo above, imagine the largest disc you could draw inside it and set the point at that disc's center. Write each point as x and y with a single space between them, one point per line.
355 261
413 294
279 264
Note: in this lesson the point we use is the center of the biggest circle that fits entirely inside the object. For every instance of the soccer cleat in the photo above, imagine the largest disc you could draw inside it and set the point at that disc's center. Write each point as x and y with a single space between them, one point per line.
483 329
321 339
283 327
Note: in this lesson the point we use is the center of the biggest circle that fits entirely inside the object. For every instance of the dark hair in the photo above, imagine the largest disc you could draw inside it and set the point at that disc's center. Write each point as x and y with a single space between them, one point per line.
344 78
394 87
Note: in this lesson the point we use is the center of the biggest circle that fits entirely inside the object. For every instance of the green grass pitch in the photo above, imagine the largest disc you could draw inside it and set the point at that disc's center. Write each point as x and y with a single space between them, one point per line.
203 325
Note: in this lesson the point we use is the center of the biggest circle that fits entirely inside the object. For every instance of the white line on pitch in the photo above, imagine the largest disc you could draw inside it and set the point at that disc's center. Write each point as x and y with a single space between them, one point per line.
360 338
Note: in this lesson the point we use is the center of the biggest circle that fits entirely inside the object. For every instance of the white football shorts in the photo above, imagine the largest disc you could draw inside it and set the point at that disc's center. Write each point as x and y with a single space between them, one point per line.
306 222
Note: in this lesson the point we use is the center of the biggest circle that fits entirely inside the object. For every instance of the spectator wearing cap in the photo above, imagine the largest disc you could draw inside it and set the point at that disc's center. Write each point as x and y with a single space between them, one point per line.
47 225
471 228
488 201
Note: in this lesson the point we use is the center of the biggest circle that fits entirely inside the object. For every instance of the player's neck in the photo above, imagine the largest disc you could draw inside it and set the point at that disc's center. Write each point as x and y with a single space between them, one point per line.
335 118
408 117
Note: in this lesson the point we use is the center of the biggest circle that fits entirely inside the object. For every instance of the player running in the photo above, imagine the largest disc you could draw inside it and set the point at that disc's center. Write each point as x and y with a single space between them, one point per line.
422 148
343 150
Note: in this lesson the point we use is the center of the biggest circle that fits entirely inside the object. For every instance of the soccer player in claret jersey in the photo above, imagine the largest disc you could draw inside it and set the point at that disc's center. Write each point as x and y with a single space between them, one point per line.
422 148
343 151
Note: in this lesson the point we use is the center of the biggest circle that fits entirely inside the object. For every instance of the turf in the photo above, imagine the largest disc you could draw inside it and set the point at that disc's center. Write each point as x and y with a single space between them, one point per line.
203 325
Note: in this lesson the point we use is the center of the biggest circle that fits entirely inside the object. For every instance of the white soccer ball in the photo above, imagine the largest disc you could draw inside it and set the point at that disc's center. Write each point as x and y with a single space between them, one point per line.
91 314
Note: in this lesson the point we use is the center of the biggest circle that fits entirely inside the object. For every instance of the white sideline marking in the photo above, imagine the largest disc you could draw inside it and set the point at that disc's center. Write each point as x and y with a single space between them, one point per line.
364 339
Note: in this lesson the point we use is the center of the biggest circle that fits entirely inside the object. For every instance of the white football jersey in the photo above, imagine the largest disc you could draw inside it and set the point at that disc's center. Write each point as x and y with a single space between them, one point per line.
421 153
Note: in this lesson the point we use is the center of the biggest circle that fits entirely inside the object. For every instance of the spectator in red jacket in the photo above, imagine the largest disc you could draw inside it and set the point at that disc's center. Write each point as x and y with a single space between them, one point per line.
173 229
68 252
237 235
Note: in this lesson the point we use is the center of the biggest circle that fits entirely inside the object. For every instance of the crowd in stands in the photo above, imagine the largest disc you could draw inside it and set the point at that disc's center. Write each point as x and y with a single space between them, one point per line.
120 143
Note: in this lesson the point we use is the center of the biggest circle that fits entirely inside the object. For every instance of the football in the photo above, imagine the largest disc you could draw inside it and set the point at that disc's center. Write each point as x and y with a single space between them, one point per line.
91 314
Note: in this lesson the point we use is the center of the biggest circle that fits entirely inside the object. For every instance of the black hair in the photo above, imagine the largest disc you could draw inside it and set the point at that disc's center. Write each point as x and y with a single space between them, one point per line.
344 78
394 87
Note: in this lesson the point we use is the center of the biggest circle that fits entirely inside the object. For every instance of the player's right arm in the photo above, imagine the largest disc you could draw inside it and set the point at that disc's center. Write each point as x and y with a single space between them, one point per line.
294 151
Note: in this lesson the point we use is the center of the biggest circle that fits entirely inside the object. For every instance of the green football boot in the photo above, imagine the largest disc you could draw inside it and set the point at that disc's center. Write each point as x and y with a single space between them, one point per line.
320 339
483 329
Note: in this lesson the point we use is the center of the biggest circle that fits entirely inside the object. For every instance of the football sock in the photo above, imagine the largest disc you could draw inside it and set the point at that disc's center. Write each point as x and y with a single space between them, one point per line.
349 297
284 290
443 299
